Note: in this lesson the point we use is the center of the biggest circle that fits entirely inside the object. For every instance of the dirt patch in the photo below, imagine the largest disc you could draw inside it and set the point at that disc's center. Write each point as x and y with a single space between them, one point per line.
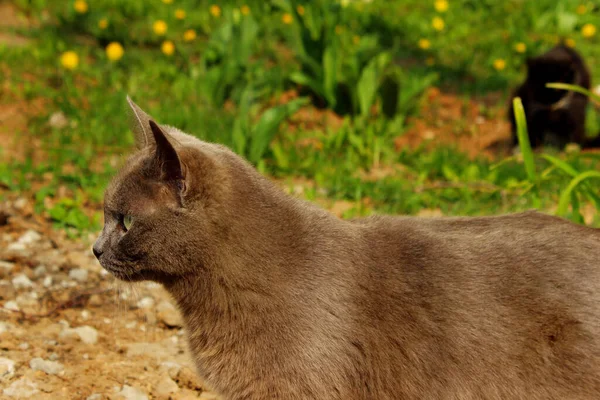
475 127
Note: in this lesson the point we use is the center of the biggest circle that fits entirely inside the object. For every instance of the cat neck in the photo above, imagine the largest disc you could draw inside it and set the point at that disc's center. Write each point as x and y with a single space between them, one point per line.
261 250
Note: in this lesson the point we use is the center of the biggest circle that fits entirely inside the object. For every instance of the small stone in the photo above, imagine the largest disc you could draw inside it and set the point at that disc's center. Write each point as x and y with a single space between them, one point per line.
187 378
20 203
29 237
7 368
5 326
78 274
58 120
86 333
5 268
47 281
132 393
22 389
24 346
11 305
85 314
168 314
95 300
21 281
49 367
146 302
16 246
53 357
166 386
171 368
40 271
95 396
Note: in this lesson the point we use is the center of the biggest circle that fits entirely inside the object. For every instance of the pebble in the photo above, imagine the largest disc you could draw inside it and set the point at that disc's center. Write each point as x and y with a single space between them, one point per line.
29 237
16 246
132 393
7 368
24 346
146 302
40 271
166 386
171 368
22 389
208 396
47 281
168 314
5 326
6 267
86 333
21 281
49 367
78 274
53 357
11 305
95 396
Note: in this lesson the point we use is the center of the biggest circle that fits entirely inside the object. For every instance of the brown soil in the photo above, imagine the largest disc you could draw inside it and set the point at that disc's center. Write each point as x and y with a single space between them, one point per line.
447 119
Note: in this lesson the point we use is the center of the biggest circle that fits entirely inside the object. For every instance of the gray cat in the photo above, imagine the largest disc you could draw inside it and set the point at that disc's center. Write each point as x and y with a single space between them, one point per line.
282 300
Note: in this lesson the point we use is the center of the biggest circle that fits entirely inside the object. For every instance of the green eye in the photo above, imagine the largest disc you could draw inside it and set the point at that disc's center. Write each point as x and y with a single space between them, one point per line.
127 221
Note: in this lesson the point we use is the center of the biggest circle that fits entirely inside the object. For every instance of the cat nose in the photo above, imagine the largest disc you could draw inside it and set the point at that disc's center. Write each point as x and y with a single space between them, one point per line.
96 252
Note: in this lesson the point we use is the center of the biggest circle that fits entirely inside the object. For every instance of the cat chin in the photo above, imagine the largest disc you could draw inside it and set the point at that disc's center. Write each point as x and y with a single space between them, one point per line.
129 275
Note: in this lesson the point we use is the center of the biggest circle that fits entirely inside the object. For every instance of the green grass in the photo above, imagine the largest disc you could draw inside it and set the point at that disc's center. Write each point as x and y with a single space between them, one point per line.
361 59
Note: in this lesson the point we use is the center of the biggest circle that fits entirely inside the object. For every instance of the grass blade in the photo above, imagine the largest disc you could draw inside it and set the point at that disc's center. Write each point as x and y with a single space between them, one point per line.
563 203
523 136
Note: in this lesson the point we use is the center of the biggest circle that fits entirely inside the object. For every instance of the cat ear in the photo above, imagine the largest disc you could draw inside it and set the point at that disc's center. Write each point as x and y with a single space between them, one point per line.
166 155
139 125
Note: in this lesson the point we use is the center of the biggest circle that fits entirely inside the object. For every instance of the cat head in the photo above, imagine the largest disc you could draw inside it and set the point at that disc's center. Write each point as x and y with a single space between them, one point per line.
162 208
557 65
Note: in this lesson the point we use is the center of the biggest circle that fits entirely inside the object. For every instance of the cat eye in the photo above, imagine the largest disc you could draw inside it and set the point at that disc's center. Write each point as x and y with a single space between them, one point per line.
127 222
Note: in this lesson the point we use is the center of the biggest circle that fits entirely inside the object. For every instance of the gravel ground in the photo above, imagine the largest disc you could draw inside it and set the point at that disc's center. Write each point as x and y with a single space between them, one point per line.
68 330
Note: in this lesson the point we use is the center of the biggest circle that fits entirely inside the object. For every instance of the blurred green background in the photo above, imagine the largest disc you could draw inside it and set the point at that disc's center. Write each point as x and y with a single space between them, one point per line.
392 106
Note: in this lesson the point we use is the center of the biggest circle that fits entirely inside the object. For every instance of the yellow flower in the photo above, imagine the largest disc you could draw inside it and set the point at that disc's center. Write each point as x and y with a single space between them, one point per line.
356 39
103 23
114 51
437 23
499 64
441 5
570 42
287 18
430 61
300 10
80 6
167 47
424 44
215 11
245 10
69 59
179 13
588 30
339 29
581 9
167 1
189 35
520 47
160 27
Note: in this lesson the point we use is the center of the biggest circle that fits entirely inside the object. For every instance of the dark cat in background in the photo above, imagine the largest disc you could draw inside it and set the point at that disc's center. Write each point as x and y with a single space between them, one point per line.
554 117
282 300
